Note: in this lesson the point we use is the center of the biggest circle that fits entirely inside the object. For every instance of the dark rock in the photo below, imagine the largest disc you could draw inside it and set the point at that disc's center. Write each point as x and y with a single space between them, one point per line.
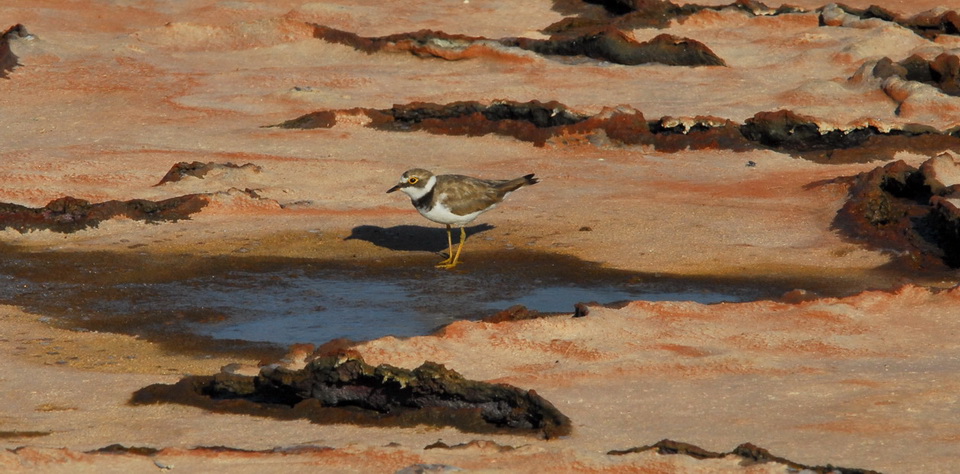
873 11
667 446
69 214
785 129
605 43
342 389
801 136
945 221
894 208
659 13
472 444
703 133
199 169
320 119
580 310
121 449
751 454
613 45
425 43
543 122
514 313
23 434
928 24
633 14
536 113
148 451
943 72
529 121
8 60
532 121
885 68
917 69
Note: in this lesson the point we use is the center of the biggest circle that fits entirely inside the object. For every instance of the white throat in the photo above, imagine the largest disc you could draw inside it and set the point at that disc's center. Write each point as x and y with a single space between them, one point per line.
418 192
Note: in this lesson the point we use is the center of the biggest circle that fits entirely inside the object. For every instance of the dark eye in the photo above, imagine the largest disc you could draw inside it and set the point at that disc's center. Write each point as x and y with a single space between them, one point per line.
413 180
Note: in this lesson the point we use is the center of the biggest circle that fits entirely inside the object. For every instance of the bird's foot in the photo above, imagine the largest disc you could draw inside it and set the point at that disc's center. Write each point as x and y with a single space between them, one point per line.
448 263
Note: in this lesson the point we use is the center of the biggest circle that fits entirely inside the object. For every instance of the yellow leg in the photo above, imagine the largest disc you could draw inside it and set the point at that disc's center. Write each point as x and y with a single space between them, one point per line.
450 263
449 248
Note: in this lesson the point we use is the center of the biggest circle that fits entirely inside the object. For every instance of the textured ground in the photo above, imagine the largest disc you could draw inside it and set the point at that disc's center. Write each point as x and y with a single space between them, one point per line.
109 95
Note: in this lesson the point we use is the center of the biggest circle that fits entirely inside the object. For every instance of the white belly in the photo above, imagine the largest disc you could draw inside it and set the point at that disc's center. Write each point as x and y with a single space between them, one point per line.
442 214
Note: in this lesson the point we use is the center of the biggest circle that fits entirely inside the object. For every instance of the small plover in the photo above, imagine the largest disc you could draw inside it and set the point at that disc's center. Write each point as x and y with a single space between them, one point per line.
455 200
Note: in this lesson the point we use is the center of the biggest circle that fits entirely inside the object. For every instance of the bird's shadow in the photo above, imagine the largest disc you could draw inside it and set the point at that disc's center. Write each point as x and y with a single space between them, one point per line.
411 238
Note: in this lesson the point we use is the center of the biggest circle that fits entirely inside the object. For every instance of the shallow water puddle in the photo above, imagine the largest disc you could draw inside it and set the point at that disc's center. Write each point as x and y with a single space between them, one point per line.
317 306
285 301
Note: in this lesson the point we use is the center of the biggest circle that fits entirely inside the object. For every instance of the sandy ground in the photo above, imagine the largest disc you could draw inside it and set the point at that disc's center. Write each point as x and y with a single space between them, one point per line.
109 95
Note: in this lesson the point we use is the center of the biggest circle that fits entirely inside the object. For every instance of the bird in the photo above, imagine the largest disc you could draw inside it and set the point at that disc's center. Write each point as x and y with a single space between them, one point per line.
455 200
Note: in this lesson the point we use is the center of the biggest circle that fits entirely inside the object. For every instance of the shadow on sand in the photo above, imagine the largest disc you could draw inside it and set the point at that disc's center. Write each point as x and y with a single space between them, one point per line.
412 238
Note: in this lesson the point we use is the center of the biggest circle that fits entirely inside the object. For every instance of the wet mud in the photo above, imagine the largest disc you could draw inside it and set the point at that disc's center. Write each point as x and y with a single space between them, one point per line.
8 60
603 43
909 212
344 389
556 124
750 453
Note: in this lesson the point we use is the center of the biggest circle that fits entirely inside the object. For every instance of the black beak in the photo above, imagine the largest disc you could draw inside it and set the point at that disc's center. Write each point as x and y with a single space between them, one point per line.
393 189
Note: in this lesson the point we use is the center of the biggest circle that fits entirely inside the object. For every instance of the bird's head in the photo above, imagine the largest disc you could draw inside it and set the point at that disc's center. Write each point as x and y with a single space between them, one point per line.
414 183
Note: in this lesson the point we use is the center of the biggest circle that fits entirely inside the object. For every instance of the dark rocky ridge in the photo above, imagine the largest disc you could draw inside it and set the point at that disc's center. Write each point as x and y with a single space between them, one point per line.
631 14
613 45
605 43
68 214
199 169
750 453
942 72
927 24
553 122
344 389
907 211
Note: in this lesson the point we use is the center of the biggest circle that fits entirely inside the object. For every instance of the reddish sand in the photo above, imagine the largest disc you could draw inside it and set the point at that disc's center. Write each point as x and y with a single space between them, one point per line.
109 95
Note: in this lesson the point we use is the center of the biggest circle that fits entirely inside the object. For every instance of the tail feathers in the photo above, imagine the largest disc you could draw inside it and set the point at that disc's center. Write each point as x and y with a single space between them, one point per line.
517 183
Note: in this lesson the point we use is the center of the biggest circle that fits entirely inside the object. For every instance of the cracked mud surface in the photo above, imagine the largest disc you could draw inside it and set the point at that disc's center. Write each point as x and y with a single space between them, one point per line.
818 161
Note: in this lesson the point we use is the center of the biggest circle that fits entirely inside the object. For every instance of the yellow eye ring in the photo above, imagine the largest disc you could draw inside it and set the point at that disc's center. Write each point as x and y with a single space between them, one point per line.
413 180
